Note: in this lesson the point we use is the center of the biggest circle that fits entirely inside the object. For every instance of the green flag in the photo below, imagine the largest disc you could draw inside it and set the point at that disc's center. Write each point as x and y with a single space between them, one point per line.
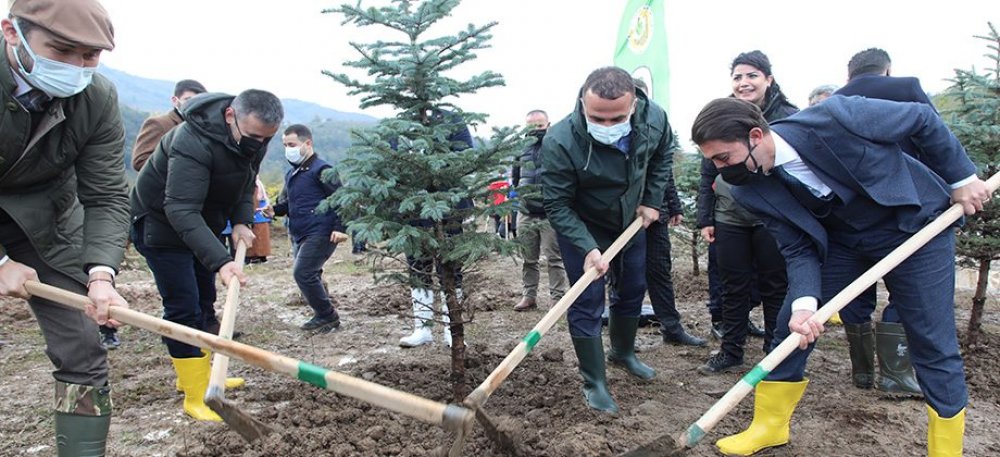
642 47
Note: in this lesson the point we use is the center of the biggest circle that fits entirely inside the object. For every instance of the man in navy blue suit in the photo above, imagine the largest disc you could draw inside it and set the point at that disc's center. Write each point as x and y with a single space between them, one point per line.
868 76
838 194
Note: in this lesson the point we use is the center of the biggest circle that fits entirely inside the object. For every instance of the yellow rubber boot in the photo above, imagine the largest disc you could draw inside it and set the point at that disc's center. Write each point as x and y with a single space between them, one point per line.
231 383
944 436
192 375
773 405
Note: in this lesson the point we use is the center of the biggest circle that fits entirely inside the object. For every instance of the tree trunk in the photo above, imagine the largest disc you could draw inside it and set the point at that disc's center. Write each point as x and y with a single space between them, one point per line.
694 252
978 303
456 314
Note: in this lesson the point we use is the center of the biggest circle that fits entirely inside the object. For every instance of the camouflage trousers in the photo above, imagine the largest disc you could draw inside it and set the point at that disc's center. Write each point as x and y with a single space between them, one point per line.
82 400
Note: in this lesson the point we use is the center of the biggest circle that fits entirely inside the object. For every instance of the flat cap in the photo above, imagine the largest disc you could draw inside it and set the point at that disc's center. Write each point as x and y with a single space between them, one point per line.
84 22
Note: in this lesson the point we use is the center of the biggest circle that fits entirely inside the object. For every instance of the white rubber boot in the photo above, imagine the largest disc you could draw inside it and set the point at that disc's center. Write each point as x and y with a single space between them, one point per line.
423 312
446 318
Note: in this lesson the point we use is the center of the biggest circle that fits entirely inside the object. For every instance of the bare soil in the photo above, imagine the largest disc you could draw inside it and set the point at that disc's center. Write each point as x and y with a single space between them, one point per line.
540 404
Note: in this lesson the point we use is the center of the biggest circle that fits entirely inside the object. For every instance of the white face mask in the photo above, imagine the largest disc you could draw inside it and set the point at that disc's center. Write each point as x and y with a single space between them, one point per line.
609 135
56 79
294 155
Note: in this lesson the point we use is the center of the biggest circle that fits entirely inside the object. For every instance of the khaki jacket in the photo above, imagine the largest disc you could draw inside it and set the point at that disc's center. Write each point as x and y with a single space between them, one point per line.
64 183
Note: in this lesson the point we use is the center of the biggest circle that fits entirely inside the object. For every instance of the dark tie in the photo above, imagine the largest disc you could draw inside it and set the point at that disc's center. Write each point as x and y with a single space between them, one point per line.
34 100
819 206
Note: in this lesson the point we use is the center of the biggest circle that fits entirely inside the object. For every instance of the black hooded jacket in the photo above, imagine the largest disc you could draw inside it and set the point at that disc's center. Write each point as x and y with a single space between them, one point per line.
196 180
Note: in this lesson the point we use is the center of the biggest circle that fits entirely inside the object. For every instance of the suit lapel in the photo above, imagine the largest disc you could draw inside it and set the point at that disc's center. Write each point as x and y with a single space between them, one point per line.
769 196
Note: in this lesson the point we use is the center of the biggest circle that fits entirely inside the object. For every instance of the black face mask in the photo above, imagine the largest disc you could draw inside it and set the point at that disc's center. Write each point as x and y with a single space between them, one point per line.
537 133
738 174
249 146
252 146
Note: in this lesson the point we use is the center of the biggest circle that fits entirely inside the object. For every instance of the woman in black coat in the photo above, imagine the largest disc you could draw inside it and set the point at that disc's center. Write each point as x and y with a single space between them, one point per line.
750 266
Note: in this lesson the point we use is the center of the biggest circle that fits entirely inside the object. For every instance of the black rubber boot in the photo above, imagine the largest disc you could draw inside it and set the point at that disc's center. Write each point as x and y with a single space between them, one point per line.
83 417
894 365
677 335
861 342
622 335
590 354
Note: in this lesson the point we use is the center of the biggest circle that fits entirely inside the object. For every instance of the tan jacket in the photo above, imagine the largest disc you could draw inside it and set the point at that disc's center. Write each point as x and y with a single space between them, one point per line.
149 136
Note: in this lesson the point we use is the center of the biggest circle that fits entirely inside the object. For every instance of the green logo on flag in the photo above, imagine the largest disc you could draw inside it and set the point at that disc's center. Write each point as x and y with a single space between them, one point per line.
642 47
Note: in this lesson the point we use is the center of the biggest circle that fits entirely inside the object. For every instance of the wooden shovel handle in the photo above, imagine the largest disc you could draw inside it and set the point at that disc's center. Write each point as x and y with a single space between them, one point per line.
220 362
450 417
744 386
479 396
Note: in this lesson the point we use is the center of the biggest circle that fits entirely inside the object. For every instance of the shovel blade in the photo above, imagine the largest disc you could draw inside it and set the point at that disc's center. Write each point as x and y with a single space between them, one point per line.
249 428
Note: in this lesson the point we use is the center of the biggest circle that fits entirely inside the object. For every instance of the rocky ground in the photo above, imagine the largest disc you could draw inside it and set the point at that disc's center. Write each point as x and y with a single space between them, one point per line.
540 405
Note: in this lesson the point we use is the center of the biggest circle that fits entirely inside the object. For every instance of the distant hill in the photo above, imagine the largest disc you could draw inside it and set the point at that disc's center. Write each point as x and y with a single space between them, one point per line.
153 96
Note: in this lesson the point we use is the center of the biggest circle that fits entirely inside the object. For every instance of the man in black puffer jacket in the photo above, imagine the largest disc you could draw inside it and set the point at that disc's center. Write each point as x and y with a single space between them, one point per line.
201 175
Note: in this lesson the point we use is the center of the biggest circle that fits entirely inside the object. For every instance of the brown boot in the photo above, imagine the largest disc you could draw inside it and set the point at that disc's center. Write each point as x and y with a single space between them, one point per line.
525 304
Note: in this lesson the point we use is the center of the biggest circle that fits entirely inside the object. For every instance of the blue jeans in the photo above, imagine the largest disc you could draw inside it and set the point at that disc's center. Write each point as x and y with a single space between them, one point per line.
187 288
310 253
628 278
923 288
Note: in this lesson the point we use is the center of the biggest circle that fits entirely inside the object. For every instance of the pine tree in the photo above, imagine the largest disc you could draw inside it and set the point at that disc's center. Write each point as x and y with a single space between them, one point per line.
686 177
409 187
974 116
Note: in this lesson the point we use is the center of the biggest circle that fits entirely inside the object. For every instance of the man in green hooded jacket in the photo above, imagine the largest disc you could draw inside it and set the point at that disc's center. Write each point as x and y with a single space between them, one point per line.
604 165
63 200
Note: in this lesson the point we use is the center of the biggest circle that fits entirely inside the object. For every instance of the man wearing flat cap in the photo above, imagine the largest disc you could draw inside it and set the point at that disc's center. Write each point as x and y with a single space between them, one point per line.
63 199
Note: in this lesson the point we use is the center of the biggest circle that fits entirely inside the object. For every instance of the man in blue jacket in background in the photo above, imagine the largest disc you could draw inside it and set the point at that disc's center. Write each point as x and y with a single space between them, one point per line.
314 234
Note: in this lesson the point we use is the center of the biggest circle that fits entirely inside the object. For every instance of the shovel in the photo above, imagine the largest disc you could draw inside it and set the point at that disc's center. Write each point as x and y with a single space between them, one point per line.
478 397
449 417
666 445
215 397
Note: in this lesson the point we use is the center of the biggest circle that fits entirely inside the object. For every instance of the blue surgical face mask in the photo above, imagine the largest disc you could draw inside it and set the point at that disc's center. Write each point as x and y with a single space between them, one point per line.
609 135
56 79
293 155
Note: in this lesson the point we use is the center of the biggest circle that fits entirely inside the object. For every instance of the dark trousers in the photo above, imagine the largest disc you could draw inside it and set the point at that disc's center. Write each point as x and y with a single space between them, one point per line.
714 285
310 254
658 279
628 279
72 342
923 287
860 310
186 286
748 259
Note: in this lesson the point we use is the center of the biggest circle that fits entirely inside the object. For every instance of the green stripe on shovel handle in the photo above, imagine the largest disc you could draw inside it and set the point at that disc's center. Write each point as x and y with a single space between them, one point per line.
531 339
313 374
755 376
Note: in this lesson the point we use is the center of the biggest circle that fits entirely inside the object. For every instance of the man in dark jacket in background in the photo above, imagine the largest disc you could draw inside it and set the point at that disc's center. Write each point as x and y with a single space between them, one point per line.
537 236
63 197
658 266
201 175
604 165
868 76
314 234
659 278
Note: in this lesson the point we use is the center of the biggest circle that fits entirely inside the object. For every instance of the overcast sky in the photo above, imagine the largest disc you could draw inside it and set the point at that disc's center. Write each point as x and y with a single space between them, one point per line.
545 48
